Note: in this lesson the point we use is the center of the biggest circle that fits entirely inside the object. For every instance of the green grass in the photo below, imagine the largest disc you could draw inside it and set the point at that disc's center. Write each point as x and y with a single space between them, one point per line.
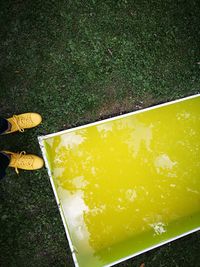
76 62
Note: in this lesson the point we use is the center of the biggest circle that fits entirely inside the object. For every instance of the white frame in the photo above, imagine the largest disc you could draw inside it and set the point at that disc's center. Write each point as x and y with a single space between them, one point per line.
41 140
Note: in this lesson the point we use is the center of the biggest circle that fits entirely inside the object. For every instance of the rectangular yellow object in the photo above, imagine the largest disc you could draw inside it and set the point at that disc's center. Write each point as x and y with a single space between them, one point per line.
127 184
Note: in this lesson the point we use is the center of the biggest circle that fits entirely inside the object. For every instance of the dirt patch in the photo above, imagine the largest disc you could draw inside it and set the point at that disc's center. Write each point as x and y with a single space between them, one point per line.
128 104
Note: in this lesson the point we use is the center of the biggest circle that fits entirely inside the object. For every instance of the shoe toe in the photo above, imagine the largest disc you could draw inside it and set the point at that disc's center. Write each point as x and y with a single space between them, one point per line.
36 118
38 163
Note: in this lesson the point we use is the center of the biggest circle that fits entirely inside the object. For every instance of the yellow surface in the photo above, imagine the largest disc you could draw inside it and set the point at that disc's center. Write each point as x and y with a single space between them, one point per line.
130 183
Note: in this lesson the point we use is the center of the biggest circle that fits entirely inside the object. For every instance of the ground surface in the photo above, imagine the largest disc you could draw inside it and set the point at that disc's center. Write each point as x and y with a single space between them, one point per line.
76 62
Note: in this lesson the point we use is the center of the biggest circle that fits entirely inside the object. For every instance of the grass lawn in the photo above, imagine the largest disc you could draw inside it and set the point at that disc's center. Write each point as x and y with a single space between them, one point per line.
76 62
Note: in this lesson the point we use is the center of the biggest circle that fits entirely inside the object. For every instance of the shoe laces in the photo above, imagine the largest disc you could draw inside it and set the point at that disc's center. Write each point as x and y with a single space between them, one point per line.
19 158
15 120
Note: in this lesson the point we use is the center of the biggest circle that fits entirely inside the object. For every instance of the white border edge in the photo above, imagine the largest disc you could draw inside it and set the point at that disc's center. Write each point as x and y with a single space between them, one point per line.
117 117
153 247
40 140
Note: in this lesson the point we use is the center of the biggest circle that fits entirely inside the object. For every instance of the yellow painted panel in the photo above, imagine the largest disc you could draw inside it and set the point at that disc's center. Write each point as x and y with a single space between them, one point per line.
129 183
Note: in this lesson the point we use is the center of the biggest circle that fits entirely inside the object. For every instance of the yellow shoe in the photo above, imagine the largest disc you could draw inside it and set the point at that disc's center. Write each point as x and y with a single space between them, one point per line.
23 121
26 162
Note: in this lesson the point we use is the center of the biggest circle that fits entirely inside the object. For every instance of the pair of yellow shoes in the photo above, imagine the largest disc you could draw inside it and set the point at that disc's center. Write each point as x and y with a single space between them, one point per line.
22 160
